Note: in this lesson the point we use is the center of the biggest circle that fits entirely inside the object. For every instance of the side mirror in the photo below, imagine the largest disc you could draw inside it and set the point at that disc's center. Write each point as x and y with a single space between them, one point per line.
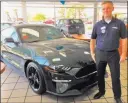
9 40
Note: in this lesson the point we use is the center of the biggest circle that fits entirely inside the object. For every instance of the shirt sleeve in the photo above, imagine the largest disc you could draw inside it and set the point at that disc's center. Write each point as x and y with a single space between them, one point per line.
94 34
123 31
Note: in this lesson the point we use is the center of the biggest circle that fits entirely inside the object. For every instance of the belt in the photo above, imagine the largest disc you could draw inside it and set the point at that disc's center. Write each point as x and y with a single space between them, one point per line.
108 51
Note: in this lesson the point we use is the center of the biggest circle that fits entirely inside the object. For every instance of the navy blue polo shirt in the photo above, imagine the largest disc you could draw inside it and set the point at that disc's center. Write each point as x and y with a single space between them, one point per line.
107 35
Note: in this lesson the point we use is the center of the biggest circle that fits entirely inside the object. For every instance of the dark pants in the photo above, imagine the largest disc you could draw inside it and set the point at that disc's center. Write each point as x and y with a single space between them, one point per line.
112 58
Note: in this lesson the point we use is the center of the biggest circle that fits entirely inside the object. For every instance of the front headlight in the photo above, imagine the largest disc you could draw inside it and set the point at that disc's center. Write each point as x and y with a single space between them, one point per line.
59 68
55 67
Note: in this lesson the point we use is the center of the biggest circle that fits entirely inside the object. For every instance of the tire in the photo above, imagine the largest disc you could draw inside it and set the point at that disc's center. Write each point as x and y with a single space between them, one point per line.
35 78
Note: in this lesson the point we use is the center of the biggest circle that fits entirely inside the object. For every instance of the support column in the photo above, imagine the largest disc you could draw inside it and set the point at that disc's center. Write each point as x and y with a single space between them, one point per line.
24 10
54 13
95 12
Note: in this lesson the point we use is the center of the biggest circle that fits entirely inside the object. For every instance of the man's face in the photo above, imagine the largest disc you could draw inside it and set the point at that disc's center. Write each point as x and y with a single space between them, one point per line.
107 9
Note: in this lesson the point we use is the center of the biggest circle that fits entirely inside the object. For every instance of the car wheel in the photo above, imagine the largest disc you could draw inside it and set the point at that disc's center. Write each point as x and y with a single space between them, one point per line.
35 78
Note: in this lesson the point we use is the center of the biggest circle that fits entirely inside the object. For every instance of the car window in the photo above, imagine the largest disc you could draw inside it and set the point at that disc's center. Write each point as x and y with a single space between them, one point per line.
29 34
76 21
66 22
51 33
39 33
15 37
57 22
5 25
61 22
8 33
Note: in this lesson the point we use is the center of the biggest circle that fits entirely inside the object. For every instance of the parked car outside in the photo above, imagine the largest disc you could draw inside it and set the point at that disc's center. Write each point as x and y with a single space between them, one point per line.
71 26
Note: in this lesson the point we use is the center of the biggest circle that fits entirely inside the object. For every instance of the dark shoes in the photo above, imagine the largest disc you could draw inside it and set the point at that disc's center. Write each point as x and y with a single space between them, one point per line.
98 95
118 100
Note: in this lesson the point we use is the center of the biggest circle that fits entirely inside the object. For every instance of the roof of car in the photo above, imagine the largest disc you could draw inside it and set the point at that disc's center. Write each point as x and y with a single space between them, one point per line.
69 19
26 25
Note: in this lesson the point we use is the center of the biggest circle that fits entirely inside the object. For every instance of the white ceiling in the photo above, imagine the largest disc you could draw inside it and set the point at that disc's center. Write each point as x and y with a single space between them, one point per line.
66 0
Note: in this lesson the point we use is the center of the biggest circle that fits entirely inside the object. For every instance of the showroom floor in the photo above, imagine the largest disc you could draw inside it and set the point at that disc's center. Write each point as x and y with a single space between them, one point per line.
15 89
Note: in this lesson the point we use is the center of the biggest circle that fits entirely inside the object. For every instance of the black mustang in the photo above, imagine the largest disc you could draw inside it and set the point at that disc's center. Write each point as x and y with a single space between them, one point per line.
52 63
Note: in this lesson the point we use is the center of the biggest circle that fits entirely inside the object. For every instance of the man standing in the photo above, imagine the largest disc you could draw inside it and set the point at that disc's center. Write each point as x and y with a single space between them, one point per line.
2 67
106 34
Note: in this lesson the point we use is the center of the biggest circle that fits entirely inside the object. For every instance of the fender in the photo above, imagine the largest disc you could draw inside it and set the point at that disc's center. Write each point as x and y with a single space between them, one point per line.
41 61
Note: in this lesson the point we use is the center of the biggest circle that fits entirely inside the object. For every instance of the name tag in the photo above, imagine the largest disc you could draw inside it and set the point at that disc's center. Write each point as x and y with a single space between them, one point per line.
103 27
115 27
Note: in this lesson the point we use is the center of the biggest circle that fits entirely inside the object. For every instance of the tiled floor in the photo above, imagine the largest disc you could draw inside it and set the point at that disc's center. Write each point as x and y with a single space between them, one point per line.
15 89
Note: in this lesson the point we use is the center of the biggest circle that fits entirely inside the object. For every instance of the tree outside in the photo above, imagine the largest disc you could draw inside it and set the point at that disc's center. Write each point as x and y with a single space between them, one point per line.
39 17
75 11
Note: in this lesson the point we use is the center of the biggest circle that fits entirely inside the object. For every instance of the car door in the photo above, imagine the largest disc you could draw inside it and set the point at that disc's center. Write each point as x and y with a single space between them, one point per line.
12 53
5 46
18 56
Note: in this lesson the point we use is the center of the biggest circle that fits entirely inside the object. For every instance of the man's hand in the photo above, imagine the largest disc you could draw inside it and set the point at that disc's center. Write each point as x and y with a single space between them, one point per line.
93 57
122 58
92 48
124 50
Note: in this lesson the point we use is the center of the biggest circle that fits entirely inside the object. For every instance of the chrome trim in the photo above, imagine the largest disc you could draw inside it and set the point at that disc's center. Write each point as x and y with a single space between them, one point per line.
65 81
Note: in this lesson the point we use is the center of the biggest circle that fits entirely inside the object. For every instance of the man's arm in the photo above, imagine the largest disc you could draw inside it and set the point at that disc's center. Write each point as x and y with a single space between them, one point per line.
92 48
124 50
123 35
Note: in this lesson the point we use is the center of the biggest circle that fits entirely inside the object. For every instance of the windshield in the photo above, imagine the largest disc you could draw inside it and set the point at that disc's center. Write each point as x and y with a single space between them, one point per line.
39 33
76 21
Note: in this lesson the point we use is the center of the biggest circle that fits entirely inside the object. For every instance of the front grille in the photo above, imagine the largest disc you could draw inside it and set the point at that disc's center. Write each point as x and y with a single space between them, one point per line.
88 69
91 80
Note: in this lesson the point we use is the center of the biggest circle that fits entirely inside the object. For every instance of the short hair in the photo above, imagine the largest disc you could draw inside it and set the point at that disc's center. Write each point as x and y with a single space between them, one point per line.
105 2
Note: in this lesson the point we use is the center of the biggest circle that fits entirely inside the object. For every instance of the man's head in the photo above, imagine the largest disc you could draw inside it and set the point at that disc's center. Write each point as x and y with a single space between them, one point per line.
107 8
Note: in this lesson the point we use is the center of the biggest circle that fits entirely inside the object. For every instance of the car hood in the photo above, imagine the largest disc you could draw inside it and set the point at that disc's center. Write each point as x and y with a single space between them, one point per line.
65 51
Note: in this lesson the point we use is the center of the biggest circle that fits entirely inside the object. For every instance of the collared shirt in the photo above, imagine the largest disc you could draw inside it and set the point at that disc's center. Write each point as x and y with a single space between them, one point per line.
107 35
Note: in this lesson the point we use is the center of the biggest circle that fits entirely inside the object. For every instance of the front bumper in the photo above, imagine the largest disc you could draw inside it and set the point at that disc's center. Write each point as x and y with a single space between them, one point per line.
65 85
73 92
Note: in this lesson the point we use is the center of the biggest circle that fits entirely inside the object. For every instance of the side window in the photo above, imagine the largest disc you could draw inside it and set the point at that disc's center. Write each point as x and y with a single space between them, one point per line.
5 34
5 25
57 22
66 22
14 35
9 33
71 21
29 34
61 22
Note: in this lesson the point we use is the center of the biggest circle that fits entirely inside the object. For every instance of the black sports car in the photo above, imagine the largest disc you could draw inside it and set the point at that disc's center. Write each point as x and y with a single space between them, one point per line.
51 63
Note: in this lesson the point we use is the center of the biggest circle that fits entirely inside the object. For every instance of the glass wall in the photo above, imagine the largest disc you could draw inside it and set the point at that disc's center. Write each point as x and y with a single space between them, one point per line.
50 12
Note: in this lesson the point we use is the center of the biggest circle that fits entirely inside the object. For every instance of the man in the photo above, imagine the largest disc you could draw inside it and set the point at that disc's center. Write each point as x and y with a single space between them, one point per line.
106 34
2 67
